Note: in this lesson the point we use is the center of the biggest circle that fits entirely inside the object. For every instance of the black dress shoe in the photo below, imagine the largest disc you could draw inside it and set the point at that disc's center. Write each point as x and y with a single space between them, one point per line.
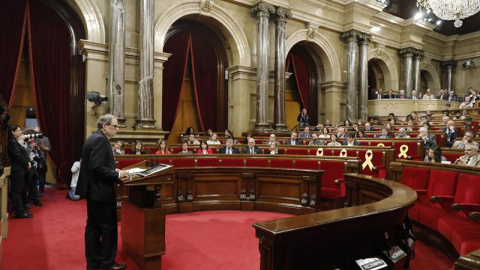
115 266
27 206
24 215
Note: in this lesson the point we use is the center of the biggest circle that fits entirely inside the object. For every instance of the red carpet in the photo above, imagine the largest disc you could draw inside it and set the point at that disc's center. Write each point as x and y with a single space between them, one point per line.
53 239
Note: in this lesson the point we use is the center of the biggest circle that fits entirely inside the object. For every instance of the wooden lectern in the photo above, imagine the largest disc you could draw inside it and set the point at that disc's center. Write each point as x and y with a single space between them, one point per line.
142 215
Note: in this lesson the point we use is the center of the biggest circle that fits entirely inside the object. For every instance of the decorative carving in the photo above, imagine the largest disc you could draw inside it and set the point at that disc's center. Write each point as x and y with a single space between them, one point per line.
313 200
189 196
379 51
206 5
180 197
243 194
283 14
263 10
304 200
312 30
252 194
352 35
408 52
450 63
365 38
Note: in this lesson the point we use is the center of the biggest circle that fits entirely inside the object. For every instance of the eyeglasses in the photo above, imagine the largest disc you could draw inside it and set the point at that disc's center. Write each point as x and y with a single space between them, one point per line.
114 126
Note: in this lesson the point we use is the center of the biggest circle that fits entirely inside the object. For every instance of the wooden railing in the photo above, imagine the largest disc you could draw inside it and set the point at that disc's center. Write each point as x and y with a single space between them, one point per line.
335 239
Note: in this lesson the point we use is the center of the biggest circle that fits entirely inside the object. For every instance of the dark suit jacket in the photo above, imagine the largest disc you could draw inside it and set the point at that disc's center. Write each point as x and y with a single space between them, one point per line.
430 141
380 135
18 156
297 142
451 136
223 150
256 150
387 96
453 98
445 97
97 171
354 143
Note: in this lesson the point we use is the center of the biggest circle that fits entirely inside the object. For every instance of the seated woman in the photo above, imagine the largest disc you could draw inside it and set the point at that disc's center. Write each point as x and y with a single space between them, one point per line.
435 155
402 134
361 134
333 141
117 148
138 149
189 131
204 150
245 141
324 134
162 148
213 139
185 149
273 149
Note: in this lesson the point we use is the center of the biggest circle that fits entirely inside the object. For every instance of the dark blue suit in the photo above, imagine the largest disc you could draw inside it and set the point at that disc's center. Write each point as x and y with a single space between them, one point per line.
96 183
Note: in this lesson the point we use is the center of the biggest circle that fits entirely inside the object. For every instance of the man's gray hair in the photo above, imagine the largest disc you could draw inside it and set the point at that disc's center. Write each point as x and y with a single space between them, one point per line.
104 119
474 146
229 140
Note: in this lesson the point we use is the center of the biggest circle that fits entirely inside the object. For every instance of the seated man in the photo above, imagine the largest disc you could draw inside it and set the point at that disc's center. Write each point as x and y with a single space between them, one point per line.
272 139
228 148
402 94
471 157
251 148
316 141
351 140
306 133
452 133
467 138
384 133
341 133
429 140
185 149
414 95
293 140
303 119
192 140
368 127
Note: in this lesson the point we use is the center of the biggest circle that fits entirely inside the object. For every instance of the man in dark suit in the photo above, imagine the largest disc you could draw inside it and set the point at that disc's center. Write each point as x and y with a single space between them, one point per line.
96 183
351 140
429 140
452 96
293 140
228 148
414 95
451 132
443 94
251 148
384 134
402 94
389 95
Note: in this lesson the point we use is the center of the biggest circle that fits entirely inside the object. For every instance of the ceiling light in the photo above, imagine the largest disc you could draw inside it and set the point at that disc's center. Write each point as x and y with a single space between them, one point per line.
451 9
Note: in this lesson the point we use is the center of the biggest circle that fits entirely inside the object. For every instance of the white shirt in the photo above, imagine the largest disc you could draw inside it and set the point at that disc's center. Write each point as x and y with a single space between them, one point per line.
75 172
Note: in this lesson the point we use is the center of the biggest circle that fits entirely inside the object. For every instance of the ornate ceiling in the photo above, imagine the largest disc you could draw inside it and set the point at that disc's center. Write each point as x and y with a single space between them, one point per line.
407 9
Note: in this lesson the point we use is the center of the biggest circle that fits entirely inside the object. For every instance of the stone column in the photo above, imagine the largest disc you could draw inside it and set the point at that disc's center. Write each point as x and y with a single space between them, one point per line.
352 92
145 92
418 55
262 11
363 72
407 54
116 77
279 87
448 67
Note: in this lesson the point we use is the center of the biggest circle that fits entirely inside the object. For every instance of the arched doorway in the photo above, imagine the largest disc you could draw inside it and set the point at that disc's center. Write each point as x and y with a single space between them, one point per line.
301 86
50 77
196 92
376 79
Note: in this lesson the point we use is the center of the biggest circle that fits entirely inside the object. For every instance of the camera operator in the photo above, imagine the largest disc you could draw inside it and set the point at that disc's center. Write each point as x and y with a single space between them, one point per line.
20 165
35 159
44 147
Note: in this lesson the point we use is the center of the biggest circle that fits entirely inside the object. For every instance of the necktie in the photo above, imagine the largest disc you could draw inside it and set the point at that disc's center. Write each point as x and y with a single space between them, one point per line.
229 151
441 97
468 160
251 150
463 146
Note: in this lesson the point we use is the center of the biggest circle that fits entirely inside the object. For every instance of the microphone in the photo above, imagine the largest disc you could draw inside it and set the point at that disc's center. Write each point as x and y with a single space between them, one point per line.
151 157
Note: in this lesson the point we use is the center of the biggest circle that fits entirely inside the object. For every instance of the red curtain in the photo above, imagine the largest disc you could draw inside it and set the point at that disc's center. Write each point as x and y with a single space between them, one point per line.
174 76
50 62
12 30
302 78
204 70
188 46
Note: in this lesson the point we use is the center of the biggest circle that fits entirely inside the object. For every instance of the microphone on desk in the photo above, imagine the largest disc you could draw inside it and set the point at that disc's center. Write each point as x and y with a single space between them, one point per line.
151 155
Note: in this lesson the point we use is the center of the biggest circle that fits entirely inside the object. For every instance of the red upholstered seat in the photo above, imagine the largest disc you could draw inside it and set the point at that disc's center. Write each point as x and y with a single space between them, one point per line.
281 163
469 246
468 191
122 163
377 161
416 178
364 143
307 164
332 170
233 162
163 160
208 162
257 162
296 151
452 156
411 152
441 183
463 233
183 162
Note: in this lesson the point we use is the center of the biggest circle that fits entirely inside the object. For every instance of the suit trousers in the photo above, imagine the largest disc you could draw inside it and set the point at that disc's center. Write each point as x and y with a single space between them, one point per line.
17 191
101 233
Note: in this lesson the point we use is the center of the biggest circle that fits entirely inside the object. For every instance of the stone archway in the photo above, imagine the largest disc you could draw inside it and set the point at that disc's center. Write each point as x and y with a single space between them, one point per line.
429 72
91 17
220 21
386 65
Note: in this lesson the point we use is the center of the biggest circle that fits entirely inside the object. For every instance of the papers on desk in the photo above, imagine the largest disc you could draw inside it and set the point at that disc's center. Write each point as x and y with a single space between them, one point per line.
371 264
134 170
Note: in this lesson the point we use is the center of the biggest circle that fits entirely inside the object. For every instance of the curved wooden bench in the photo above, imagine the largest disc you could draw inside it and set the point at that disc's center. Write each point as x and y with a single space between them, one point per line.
336 238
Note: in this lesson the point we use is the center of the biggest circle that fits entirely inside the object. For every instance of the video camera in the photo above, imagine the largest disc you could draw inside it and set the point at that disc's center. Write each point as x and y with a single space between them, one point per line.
96 98
33 136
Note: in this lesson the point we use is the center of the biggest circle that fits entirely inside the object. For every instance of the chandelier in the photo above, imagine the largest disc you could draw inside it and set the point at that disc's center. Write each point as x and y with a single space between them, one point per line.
451 9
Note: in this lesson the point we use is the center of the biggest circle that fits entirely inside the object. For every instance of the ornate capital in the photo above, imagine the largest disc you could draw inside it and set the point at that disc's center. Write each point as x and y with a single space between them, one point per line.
365 38
263 10
206 5
450 63
408 52
353 35
283 14
418 54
